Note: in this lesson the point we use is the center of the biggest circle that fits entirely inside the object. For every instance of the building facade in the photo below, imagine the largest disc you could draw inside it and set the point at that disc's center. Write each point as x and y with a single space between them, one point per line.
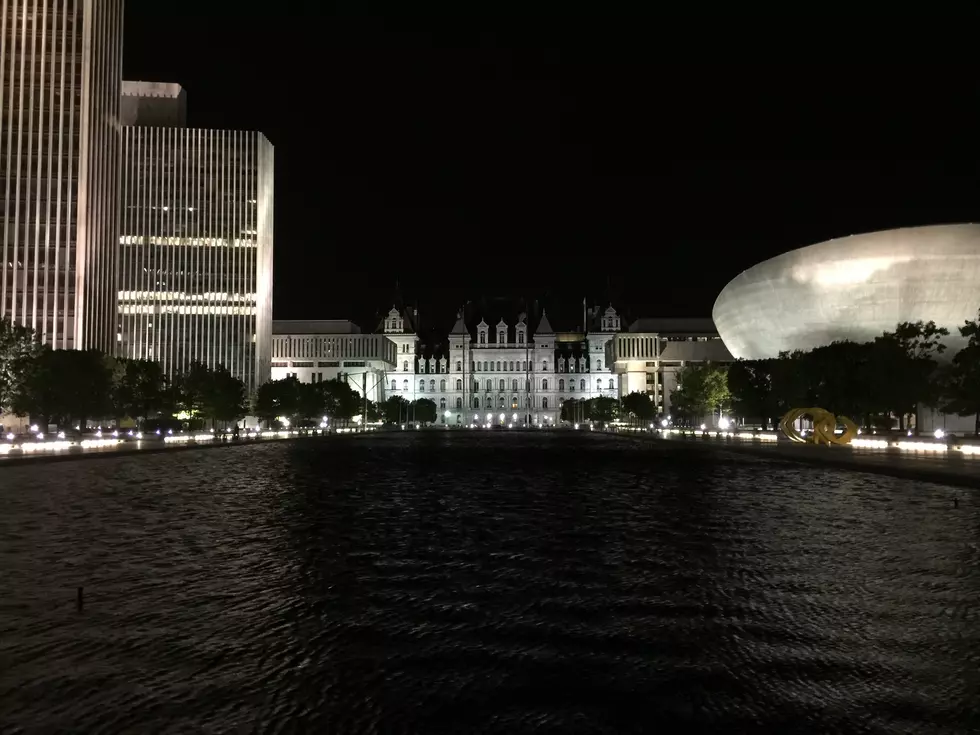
61 71
649 357
314 351
502 373
195 249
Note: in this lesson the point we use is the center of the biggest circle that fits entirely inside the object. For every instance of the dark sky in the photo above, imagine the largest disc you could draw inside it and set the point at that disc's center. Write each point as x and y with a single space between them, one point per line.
557 161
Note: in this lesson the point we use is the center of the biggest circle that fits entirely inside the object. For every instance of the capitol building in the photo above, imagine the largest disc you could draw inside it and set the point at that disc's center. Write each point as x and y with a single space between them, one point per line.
493 370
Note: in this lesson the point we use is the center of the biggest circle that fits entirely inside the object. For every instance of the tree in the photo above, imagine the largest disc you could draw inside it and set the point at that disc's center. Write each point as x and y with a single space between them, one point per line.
909 367
373 412
276 398
701 388
603 409
212 393
574 410
65 385
639 407
19 347
394 409
140 388
424 411
341 402
963 386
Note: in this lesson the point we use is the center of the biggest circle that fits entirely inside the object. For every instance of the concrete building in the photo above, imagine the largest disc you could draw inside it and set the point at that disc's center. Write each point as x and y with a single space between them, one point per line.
314 351
649 356
502 373
195 250
60 76
853 288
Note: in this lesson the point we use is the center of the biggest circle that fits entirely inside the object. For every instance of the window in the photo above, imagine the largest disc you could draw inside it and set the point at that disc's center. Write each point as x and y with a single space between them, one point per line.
394 385
500 403
527 386
610 384
432 386
405 385
513 402
498 365
511 364
581 384
544 366
514 384
571 386
476 402
561 385
442 386
459 402
421 386
472 366
476 385
489 384
544 403
502 337
598 385
459 384
442 404
598 364
503 386
459 366
525 366
544 385
405 366
483 338
561 366
520 338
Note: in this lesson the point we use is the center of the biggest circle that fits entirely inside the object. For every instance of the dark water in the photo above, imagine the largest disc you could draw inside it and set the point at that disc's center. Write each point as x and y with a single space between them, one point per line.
477 583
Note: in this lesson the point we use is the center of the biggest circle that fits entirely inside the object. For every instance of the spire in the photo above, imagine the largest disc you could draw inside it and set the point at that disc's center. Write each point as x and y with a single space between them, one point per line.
544 326
460 326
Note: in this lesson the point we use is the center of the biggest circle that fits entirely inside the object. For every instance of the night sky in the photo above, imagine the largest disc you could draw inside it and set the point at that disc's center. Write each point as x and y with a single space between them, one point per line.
478 161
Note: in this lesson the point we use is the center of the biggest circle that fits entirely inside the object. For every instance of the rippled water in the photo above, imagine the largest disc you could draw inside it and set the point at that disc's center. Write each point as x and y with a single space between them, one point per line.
478 582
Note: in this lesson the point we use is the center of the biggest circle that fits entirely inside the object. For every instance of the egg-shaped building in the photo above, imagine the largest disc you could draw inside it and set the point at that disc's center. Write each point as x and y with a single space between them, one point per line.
852 288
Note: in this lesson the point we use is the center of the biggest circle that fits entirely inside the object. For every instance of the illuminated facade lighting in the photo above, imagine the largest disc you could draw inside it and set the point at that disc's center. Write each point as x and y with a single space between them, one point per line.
61 71
195 249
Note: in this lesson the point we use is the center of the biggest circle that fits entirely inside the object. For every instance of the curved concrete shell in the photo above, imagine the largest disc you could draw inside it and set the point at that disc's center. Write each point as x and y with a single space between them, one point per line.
852 288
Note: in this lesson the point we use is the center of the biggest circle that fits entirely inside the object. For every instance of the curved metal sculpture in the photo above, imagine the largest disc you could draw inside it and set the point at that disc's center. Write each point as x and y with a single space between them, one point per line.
824 426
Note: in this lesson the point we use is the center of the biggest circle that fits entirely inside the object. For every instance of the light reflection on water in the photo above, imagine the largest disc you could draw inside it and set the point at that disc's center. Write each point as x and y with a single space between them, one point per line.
482 582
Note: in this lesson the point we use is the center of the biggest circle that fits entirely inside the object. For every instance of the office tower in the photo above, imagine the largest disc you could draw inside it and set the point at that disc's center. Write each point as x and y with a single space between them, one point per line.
195 256
61 70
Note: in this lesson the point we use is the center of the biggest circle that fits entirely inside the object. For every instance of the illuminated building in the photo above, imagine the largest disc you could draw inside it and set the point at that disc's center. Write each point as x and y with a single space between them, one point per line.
61 69
853 288
650 355
505 373
195 249
314 351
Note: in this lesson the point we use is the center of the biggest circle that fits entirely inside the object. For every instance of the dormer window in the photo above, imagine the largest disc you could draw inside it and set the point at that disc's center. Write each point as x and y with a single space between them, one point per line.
483 338
502 337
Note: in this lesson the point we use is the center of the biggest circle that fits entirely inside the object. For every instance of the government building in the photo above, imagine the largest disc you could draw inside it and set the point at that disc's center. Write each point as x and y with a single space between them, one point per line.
491 370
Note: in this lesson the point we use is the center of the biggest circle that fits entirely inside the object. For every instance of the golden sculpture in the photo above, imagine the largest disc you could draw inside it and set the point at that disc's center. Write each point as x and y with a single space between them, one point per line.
824 426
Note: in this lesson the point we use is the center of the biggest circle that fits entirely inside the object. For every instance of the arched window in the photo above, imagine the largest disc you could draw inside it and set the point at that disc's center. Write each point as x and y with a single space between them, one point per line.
561 365
544 403
442 386
581 384
511 364
459 384
544 366
459 402
489 384
520 338
421 386
524 364
527 386
598 385
503 385
405 385
476 402
544 385
432 386
500 403
610 384
498 365
442 404
501 337
571 386
483 338
476 385
394 385
459 366
513 402
561 385
405 366
514 384
598 364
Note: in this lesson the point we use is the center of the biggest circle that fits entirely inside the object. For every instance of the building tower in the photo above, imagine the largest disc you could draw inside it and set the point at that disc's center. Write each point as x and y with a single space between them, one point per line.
61 69
195 249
